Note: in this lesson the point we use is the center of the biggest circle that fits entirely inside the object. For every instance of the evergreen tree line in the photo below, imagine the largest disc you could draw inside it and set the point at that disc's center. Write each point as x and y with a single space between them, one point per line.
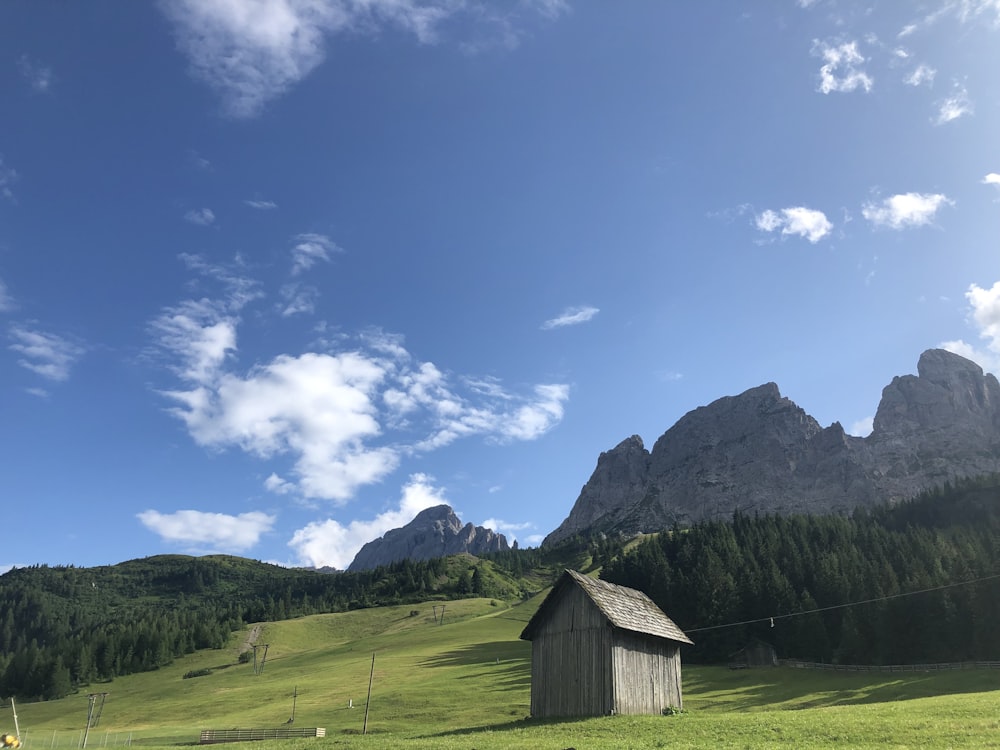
65 627
757 568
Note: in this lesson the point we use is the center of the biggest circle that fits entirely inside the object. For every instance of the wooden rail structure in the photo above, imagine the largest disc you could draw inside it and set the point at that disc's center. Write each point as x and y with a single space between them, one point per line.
214 736
799 664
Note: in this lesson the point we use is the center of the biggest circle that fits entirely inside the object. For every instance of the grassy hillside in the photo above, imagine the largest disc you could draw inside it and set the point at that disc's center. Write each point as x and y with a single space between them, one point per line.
464 682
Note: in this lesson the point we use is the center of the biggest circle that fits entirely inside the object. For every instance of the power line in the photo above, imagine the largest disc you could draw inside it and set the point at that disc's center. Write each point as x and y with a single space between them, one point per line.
771 619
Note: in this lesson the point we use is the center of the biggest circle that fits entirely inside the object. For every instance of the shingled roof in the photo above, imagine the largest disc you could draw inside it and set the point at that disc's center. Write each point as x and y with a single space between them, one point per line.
625 608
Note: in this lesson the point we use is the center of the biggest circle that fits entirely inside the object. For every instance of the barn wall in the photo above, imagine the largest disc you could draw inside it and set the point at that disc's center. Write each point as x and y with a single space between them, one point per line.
571 660
647 674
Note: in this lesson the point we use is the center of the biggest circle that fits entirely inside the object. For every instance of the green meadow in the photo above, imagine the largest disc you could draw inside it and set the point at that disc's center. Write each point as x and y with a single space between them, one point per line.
462 680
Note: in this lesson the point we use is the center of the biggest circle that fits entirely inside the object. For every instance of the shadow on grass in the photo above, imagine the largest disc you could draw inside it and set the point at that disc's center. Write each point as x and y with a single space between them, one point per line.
507 726
505 661
793 689
493 652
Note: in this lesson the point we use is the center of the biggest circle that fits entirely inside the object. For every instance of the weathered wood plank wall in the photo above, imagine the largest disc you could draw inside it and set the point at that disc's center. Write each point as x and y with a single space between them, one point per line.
571 660
647 674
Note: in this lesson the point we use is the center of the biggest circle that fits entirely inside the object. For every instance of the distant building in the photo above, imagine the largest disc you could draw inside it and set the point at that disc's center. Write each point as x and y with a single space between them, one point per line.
756 653
599 649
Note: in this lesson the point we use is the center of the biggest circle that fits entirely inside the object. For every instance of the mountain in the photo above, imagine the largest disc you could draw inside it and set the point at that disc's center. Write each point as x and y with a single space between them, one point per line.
760 452
435 532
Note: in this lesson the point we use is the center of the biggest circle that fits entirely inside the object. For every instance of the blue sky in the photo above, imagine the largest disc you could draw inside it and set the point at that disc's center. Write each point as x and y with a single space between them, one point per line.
277 274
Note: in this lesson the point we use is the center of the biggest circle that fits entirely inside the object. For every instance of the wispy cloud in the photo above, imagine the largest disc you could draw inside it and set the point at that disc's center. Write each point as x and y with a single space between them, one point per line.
6 300
310 248
344 416
261 205
550 9
330 543
252 52
8 176
922 74
984 316
973 10
966 11
508 529
955 106
905 210
841 70
46 354
200 216
38 76
571 316
298 299
198 532
797 220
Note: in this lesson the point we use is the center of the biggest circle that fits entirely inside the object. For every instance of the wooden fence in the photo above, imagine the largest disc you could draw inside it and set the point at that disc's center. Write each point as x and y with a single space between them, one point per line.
212 736
798 664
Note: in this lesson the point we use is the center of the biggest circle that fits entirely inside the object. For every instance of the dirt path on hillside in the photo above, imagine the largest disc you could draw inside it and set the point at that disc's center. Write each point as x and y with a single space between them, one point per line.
251 639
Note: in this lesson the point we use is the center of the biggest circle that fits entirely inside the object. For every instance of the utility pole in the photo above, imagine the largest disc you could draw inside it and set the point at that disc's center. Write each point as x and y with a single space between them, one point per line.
17 729
371 677
93 717
258 668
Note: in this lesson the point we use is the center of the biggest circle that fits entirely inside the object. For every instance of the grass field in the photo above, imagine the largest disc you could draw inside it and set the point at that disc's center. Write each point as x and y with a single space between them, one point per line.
464 682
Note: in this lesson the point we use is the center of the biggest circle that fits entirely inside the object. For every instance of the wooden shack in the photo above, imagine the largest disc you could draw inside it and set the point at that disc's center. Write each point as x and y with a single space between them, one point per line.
599 649
756 653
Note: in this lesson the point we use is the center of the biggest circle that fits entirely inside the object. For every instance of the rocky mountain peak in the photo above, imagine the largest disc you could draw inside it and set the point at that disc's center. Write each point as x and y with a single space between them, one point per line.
434 532
760 452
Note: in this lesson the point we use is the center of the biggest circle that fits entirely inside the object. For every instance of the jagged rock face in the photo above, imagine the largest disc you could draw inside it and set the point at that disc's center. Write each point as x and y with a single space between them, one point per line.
759 452
435 532
941 425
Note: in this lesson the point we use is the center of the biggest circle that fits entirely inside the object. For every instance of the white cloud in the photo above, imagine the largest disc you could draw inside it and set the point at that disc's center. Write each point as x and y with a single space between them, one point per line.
508 529
329 543
251 51
841 68
985 308
38 76
971 10
278 486
955 106
254 50
196 530
298 299
984 315
991 179
310 248
8 176
533 420
6 300
343 416
571 316
920 75
798 220
200 334
200 216
45 354
319 407
261 205
863 427
905 210
550 9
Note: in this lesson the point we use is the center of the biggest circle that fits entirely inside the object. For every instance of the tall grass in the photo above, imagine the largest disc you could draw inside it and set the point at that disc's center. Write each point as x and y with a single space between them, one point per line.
463 681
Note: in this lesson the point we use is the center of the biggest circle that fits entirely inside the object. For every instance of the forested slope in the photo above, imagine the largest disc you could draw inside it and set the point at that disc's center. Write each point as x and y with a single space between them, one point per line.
62 627
715 575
